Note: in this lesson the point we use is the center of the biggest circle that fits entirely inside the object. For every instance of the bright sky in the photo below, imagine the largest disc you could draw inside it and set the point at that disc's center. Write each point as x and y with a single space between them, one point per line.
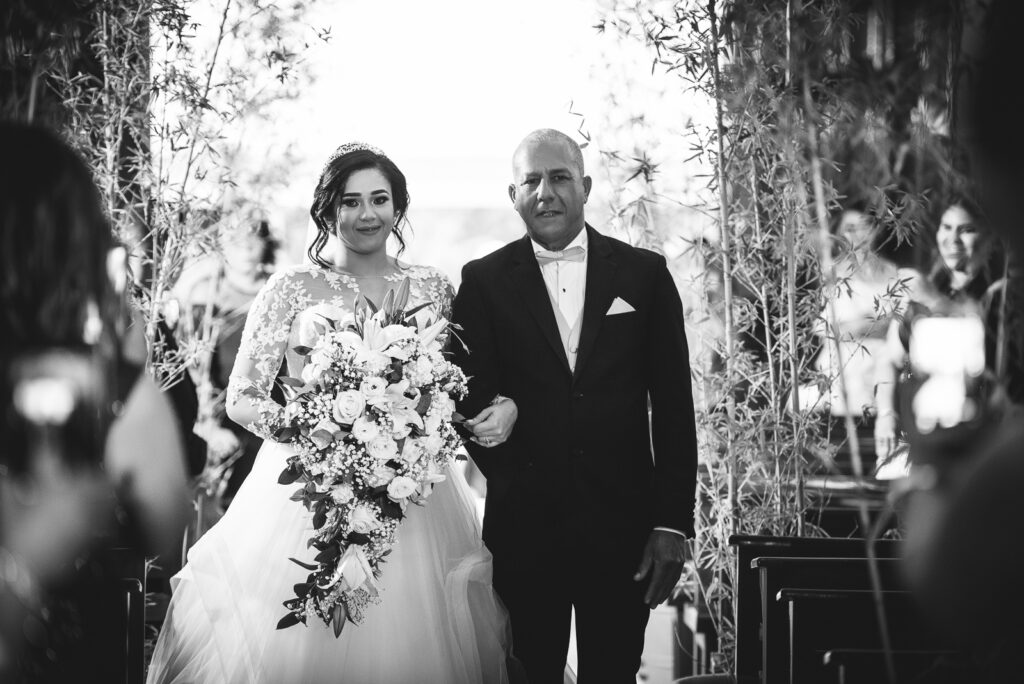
447 88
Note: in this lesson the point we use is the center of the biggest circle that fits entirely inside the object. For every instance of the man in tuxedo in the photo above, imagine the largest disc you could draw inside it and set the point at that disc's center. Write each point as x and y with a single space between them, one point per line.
582 420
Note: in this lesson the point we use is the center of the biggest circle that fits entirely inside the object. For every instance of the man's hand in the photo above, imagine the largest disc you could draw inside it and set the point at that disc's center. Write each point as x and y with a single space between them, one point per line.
494 424
663 560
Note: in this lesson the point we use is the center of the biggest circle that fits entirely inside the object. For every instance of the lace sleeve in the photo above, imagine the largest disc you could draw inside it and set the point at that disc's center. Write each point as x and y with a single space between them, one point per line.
261 352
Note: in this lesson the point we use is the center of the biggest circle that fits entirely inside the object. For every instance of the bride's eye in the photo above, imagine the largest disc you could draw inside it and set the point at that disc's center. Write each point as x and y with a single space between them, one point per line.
380 201
349 203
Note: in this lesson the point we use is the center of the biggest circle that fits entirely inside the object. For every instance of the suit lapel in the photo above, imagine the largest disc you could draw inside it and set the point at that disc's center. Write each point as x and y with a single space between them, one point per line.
529 283
598 296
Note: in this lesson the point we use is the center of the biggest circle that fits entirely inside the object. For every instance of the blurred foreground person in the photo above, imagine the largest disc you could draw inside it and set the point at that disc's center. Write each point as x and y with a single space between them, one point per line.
964 521
90 458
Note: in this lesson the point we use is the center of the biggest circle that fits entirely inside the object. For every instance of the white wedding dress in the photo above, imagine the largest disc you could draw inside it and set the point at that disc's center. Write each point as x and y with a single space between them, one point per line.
439 621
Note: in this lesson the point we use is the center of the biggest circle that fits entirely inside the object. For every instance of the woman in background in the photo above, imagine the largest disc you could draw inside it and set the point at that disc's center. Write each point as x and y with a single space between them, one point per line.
963 270
217 306
867 290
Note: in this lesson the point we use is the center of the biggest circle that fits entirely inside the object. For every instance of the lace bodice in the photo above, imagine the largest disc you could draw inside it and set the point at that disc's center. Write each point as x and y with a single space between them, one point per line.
282 315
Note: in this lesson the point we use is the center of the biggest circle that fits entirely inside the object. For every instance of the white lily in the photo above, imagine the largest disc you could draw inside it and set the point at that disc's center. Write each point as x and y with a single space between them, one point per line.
355 569
428 334
376 342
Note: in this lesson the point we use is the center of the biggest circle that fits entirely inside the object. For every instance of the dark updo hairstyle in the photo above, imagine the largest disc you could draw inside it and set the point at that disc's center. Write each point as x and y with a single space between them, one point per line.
329 190
54 242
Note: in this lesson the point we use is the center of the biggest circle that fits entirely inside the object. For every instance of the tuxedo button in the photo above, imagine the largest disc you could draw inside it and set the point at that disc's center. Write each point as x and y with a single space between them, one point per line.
577 395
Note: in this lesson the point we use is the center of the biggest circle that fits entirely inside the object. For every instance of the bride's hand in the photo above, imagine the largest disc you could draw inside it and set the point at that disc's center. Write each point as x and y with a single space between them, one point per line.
494 424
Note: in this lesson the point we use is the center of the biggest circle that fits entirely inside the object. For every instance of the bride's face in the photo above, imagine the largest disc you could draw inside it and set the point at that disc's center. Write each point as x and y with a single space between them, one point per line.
366 212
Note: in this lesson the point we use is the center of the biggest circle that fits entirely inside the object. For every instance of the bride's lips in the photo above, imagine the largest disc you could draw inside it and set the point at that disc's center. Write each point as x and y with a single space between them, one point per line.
368 229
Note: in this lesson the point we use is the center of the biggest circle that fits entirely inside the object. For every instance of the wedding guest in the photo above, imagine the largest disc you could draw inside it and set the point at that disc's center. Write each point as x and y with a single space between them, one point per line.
961 273
89 459
221 298
868 288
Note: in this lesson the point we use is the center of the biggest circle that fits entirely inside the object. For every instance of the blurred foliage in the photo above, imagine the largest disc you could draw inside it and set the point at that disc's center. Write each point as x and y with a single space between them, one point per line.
813 107
155 95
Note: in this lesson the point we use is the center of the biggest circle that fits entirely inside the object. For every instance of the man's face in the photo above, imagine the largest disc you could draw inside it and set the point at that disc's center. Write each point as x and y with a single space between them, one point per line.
549 191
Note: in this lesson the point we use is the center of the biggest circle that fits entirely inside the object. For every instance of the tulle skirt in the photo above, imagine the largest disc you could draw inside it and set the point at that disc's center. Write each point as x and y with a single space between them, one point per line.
439 620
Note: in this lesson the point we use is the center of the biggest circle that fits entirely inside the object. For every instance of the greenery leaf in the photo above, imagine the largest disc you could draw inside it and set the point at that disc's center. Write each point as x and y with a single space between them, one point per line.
307 566
338 615
288 620
319 517
288 475
357 538
329 554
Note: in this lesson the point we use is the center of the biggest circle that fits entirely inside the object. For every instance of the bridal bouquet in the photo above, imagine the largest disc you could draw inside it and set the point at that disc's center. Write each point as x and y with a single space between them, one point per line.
371 423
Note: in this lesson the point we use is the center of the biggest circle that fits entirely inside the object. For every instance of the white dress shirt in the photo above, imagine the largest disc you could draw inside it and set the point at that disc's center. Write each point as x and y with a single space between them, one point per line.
567 280
567 284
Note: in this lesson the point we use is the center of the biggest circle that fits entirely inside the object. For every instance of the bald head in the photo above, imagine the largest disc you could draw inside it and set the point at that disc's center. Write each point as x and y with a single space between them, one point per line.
549 187
549 136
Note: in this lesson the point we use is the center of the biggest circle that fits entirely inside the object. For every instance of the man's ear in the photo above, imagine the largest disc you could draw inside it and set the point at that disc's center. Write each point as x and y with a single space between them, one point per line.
586 188
512 192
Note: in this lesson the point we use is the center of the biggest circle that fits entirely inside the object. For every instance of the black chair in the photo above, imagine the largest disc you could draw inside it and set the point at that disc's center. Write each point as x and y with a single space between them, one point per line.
867 666
776 574
825 619
748 604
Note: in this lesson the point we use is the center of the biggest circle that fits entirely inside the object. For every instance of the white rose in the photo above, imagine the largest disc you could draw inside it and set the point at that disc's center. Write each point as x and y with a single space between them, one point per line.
348 406
382 448
401 487
311 372
373 386
432 443
382 475
363 519
342 494
364 430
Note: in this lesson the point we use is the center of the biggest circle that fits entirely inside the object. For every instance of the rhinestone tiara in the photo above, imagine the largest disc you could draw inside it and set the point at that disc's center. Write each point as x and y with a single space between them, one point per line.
350 147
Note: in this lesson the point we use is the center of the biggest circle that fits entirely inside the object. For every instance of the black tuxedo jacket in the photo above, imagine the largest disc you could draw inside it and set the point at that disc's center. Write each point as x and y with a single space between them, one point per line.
579 461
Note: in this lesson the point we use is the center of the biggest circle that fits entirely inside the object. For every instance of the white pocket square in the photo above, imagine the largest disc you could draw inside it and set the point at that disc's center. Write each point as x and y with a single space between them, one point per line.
619 306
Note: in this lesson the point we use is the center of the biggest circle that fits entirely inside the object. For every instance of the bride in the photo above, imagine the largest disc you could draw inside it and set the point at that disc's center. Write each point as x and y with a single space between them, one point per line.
439 620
